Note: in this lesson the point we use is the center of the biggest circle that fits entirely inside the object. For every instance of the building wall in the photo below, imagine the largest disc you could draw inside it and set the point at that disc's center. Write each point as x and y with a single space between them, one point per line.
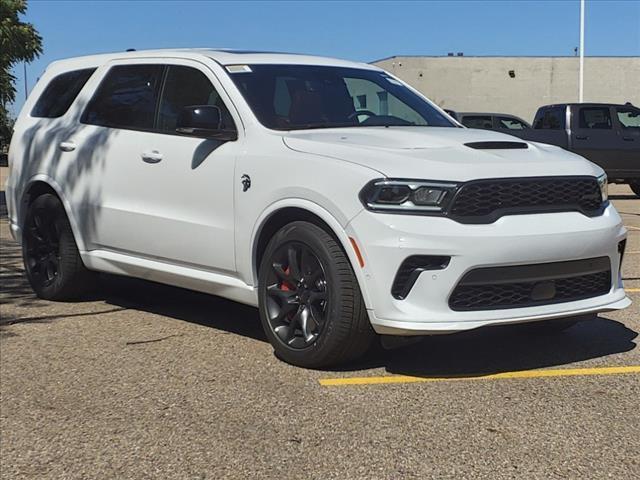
483 84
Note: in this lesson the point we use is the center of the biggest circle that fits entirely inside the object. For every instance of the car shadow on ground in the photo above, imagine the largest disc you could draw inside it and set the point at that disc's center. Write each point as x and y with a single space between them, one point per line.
477 352
505 349
619 196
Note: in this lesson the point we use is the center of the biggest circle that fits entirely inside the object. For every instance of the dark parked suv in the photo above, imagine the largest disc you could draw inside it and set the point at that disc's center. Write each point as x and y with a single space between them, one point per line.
606 134
500 122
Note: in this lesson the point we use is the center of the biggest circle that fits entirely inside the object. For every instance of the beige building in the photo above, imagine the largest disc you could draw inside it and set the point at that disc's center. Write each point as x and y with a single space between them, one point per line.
517 85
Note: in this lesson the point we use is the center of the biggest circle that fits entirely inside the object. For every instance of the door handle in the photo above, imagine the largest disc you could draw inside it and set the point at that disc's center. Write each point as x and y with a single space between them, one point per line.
153 156
581 137
67 146
628 139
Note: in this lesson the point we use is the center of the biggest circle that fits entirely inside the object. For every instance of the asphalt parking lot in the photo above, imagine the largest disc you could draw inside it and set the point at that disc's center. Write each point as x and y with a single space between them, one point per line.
149 381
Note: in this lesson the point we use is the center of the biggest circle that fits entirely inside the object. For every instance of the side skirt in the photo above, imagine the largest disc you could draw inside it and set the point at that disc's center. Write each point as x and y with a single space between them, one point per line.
170 274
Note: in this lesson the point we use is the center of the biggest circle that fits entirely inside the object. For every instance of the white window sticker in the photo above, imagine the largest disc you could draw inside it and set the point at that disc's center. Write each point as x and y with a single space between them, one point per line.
238 68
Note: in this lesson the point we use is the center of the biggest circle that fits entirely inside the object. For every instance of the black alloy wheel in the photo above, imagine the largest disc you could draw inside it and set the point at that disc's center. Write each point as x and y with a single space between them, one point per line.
42 247
50 254
311 307
297 297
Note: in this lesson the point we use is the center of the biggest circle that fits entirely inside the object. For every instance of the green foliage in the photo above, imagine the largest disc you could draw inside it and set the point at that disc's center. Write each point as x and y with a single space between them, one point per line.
19 42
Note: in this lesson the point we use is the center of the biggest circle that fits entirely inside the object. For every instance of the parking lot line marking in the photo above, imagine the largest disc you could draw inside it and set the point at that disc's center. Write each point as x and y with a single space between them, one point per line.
632 228
563 372
632 289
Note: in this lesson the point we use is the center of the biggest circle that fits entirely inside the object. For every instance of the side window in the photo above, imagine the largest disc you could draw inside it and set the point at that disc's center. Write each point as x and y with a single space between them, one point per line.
511 123
477 121
60 93
126 98
629 117
594 117
184 87
281 97
550 119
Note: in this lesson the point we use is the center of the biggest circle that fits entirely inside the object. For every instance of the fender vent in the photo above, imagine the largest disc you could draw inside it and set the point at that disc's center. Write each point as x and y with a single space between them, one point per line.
497 145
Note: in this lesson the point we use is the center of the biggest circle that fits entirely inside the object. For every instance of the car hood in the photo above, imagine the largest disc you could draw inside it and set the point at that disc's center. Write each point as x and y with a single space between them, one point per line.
438 153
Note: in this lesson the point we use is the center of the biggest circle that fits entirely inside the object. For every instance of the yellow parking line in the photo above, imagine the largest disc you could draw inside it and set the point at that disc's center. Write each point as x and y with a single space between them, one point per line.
566 372
632 289
632 228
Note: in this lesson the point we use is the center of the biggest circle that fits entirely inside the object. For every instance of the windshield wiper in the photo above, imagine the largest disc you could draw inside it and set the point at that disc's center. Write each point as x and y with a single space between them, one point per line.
307 126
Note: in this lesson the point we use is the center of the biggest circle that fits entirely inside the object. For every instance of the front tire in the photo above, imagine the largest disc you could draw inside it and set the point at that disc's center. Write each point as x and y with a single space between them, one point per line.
635 187
311 307
50 254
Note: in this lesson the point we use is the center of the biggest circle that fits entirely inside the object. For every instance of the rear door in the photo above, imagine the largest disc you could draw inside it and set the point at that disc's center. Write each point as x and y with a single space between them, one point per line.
627 123
549 126
594 137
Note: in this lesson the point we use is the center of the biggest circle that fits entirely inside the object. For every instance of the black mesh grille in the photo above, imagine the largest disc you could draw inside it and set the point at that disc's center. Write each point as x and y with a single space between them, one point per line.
517 295
484 201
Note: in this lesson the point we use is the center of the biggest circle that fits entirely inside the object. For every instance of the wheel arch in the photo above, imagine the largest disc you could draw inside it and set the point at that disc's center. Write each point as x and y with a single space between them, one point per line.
281 215
39 185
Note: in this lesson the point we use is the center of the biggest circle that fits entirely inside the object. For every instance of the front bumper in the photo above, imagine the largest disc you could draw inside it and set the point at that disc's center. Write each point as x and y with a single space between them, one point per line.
386 240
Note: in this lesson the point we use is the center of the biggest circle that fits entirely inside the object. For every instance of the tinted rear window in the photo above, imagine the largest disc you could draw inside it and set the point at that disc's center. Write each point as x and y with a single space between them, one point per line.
595 117
60 93
550 119
477 121
126 98
511 123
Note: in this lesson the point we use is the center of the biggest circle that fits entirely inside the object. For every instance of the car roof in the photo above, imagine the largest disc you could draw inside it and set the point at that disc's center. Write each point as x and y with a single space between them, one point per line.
488 113
484 114
221 55
588 104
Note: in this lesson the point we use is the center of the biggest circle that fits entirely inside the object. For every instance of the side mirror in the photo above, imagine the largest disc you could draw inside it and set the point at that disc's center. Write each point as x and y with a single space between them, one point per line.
203 121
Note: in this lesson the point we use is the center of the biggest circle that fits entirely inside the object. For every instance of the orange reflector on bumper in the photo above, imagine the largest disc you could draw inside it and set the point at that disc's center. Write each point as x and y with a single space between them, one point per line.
357 250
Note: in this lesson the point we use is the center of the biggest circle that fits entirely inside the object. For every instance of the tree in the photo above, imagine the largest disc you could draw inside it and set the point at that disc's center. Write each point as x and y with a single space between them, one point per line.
19 42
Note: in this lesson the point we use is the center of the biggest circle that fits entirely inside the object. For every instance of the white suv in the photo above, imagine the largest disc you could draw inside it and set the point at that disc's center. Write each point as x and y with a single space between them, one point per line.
330 194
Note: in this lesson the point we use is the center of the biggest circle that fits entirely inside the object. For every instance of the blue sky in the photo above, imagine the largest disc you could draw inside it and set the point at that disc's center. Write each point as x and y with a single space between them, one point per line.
356 30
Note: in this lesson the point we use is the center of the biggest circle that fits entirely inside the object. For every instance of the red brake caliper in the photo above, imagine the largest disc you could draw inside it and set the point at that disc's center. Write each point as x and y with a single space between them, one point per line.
283 284
286 288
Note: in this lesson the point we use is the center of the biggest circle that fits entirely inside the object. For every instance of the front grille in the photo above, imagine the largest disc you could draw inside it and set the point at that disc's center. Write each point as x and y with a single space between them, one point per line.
484 201
509 287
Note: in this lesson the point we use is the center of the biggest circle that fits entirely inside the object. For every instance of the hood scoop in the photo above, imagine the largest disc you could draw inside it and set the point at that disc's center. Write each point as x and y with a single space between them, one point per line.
497 145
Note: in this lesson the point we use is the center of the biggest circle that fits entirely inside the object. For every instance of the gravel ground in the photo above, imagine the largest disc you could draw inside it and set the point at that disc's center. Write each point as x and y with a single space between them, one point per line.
149 381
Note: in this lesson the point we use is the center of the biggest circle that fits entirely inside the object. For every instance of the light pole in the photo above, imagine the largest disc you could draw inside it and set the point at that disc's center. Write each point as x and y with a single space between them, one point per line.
24 65
581 88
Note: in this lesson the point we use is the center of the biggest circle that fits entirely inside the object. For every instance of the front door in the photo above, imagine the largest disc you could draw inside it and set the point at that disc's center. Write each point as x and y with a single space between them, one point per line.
157 194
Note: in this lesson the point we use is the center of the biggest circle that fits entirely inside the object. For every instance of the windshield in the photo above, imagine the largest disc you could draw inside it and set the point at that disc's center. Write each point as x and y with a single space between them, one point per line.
295 97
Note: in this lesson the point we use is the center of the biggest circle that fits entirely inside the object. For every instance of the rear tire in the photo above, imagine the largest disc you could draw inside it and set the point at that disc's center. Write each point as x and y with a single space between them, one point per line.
311 307
635 187
50 254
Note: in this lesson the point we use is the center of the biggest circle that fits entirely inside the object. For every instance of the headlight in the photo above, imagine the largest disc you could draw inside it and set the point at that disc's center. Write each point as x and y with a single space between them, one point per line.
604 187
407 196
